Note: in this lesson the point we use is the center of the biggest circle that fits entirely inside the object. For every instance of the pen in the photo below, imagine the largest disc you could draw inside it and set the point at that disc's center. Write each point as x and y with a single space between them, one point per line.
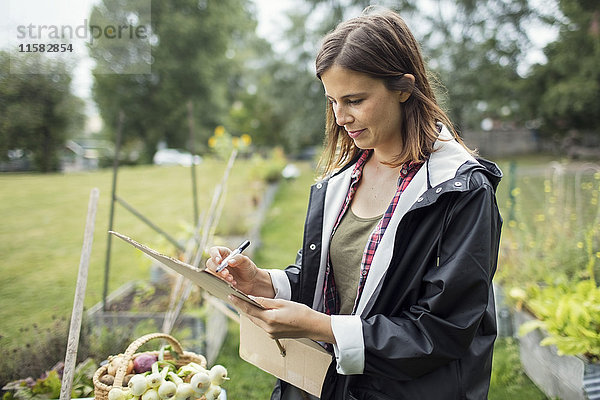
234 253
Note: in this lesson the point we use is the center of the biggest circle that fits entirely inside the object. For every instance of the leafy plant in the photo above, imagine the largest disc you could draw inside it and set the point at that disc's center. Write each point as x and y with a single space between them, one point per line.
48 385
269 168
44 354
570 314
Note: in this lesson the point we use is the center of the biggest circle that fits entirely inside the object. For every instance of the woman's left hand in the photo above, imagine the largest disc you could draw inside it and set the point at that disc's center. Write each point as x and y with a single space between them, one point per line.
287 319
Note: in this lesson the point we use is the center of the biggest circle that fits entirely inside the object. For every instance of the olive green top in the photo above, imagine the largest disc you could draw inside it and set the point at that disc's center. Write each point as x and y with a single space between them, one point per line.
345 255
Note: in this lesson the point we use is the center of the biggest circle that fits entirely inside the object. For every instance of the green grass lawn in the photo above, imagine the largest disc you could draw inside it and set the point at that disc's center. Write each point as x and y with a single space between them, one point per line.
43 219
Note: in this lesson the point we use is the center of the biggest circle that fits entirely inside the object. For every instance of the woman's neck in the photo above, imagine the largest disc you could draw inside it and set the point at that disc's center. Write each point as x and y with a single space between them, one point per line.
382 158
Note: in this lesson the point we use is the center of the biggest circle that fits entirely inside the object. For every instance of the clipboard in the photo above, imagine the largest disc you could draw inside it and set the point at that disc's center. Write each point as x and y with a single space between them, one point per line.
203 277
301 362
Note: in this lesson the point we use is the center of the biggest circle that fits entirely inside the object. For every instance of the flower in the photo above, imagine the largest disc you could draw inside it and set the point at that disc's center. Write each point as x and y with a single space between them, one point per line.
246 139
219 131
223 143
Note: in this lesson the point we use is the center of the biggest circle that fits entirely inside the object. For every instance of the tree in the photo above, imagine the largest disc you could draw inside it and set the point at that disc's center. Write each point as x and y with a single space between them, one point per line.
287 109
191 44
38 111
288 106
565 92
474 47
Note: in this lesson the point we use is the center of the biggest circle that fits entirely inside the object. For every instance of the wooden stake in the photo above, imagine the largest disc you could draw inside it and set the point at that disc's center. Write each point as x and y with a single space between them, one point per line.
210 222
76 316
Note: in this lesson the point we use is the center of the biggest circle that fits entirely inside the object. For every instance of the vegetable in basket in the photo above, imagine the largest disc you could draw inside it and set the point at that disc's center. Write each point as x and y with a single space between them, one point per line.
143 362
192 381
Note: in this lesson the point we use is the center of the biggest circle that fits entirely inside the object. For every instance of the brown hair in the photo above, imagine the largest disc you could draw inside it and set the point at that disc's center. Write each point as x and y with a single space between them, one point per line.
381 46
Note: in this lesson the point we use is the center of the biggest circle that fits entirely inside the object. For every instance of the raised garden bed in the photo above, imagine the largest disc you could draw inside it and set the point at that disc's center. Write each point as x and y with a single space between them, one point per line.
558 376
127 308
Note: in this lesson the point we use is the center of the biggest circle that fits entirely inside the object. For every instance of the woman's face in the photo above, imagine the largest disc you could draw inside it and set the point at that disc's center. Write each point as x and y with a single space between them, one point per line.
369 111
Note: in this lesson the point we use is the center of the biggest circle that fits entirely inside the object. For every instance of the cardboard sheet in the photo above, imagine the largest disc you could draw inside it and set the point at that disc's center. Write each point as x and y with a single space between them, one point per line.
305 362
304 365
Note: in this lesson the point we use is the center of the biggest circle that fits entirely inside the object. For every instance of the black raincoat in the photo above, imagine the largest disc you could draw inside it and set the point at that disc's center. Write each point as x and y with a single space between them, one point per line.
425 325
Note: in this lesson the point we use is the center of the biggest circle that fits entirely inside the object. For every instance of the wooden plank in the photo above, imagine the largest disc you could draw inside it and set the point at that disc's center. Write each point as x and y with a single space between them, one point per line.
76 316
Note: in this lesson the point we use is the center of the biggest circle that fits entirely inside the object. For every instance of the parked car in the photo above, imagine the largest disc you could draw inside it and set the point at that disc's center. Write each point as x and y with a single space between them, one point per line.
175 157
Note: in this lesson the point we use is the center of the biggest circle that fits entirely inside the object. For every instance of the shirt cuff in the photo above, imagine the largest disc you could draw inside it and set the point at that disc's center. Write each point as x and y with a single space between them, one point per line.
281 284
349 348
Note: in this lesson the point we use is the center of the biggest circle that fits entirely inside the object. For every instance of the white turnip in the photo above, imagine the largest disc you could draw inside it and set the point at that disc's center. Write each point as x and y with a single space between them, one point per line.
185 391
151 394
218 374
213 392
167 390
137 385
200 383
155 378
117 393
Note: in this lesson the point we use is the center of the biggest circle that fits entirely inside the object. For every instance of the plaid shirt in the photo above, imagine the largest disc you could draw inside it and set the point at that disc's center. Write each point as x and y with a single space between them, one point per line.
407 172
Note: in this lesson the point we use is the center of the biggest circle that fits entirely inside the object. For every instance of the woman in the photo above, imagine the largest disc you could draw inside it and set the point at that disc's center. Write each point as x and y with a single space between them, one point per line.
401 237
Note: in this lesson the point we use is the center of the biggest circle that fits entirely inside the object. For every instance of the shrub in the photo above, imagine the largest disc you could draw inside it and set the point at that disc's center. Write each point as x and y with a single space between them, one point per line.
570 314
269 169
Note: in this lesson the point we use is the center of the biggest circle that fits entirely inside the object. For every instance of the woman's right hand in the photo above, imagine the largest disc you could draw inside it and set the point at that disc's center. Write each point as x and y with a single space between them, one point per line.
241 272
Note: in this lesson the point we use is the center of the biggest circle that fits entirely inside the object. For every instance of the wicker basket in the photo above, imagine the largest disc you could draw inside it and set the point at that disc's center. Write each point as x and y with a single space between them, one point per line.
184 357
